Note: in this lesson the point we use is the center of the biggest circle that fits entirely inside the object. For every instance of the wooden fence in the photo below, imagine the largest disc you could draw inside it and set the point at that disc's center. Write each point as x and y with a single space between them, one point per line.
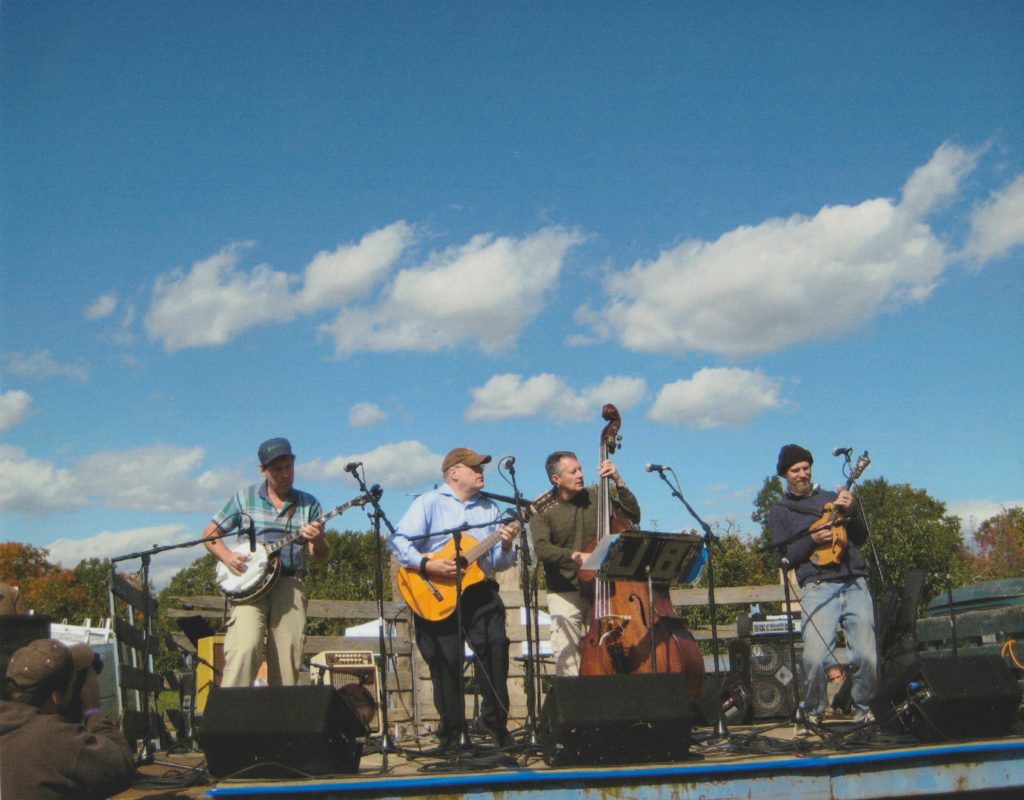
410 704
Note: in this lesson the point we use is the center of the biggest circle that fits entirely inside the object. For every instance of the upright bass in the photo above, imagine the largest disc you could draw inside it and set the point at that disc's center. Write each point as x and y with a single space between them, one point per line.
627 633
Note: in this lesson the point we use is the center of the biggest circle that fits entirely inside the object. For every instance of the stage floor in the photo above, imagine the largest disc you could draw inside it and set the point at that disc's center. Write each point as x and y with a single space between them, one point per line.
766 761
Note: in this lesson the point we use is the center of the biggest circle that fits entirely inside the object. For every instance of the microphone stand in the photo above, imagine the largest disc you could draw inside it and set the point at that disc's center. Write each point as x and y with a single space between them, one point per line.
721 730
374 493
456 535
529 608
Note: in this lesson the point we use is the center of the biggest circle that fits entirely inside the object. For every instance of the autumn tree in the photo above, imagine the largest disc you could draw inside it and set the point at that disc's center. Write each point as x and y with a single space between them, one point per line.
51 590
999 547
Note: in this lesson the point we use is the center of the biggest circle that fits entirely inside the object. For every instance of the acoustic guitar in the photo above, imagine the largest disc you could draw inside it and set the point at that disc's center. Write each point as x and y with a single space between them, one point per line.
834 519
434 599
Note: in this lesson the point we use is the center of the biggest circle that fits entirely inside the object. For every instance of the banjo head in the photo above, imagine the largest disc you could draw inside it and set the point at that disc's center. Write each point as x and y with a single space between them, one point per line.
256 569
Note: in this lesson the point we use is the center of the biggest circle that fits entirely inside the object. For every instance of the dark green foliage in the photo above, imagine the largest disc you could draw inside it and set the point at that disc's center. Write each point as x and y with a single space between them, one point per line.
910 529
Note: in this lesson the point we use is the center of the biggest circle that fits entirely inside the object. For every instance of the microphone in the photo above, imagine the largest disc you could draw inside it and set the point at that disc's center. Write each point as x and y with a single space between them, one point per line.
655 467
352 466
509 463
842 451
376 492
252 535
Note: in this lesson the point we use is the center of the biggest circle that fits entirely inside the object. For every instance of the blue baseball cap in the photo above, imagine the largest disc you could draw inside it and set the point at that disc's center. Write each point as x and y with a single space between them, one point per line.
274 448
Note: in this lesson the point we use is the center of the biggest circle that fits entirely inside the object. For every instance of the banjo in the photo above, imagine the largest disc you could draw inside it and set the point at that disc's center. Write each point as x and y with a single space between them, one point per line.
263 566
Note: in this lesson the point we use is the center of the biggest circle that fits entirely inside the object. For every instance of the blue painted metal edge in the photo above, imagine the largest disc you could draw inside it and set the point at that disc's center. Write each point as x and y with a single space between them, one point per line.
525 776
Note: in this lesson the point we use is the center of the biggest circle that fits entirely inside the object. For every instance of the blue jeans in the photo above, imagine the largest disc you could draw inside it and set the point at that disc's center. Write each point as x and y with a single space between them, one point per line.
827 607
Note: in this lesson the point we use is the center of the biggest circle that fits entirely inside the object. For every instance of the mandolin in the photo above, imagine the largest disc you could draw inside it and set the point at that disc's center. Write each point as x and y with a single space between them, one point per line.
832 518
434 599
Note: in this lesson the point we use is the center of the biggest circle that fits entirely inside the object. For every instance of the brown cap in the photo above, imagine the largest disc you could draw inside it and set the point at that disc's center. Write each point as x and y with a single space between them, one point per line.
45 665
463 455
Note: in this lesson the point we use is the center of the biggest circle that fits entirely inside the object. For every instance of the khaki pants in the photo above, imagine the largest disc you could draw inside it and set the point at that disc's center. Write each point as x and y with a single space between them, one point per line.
280 617
569 612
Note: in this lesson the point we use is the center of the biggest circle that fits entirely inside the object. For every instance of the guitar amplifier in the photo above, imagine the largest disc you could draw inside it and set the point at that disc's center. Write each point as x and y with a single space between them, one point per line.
209 668
354 673
773 624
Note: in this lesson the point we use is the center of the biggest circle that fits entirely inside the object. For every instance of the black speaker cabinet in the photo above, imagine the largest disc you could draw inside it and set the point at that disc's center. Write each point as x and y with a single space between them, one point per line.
936 695
764 665
18 630
280 732
616 719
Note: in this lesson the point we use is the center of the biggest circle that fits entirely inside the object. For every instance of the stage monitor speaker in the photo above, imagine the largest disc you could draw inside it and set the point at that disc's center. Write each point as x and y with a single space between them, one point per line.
616 719
763 663
936 695
280 732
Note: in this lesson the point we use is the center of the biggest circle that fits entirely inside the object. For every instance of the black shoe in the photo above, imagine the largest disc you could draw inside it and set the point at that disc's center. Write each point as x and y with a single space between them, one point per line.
501 738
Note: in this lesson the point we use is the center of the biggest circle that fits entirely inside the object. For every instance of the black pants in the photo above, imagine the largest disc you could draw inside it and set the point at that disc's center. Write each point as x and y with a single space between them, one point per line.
483 621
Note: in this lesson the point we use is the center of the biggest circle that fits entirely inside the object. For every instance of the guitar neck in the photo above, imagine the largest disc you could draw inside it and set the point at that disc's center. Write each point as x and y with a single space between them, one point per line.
481 547
278 546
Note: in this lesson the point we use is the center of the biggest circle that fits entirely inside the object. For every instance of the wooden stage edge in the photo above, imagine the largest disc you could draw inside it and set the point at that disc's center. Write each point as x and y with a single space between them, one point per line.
747 764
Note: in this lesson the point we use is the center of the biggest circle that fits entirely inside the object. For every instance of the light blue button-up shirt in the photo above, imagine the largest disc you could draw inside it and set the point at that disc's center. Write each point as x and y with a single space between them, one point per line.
441 510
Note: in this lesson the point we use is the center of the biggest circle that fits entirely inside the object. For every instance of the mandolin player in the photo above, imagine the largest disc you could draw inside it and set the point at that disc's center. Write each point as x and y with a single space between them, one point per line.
275 509
835 590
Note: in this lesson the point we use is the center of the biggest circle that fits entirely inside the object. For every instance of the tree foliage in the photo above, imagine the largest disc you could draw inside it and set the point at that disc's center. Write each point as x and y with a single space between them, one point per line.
998 547
908 529
53 591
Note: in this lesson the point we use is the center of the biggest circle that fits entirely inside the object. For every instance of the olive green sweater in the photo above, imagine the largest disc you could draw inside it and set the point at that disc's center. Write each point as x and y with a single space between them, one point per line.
567 527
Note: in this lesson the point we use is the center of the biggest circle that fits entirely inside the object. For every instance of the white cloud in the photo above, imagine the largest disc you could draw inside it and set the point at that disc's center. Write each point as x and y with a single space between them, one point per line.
484 292
974 512
41 365
156 478
216 300
508 396
402 465
334 280
997 226
939 180
102 307
15 408
362 415
715 398
33 487
110 544
759 289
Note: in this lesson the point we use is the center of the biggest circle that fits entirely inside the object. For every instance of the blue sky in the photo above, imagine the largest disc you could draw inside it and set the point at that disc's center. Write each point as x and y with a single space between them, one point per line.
387 230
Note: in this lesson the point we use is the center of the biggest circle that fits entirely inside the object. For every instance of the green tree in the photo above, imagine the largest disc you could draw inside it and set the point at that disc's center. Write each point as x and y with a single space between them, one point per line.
908 529
771 493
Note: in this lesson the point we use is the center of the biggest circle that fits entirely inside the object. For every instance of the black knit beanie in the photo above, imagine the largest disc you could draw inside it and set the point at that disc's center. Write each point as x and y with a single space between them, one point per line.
789 455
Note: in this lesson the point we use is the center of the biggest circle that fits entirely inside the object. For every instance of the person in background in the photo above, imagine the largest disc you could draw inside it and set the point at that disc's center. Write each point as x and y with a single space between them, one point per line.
55 741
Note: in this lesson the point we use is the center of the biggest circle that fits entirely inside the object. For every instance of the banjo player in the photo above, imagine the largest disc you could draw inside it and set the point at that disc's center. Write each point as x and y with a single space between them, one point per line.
275 510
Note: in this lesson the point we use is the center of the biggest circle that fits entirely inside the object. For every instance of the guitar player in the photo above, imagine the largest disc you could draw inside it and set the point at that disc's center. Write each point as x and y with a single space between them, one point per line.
835 595
276 509
420 544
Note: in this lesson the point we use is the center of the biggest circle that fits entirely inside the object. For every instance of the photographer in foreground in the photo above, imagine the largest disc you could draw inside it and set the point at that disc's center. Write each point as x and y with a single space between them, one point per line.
54 739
